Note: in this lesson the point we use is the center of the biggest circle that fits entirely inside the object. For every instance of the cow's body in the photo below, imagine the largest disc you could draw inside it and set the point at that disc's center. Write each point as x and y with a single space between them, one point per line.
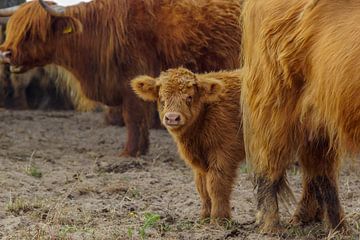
300 95
206 126
108 42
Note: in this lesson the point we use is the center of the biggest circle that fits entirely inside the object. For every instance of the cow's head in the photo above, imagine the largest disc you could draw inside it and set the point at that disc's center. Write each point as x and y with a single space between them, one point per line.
34 33
180 94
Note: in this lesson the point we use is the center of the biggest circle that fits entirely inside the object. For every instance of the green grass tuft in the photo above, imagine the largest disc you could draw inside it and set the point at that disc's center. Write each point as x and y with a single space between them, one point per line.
33 171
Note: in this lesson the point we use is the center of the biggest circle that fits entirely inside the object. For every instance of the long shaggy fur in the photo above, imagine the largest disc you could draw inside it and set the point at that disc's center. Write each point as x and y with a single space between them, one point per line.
68 84
299 96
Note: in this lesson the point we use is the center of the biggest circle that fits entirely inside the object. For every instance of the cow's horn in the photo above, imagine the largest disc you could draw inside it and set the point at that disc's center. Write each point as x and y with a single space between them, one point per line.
7 12
54 10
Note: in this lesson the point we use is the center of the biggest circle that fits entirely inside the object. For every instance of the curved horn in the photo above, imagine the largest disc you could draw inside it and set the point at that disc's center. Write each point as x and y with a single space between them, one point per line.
4 20
55 10
7 12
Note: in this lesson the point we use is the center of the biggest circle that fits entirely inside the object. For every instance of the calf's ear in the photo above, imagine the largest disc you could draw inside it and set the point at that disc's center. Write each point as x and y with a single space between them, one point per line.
210 89
145 88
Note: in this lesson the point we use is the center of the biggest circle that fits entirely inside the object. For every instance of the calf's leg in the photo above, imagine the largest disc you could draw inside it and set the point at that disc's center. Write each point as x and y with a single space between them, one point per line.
200 181
219 186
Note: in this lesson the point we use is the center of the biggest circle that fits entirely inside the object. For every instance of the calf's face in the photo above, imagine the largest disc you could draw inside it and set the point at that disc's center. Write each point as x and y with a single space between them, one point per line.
180 94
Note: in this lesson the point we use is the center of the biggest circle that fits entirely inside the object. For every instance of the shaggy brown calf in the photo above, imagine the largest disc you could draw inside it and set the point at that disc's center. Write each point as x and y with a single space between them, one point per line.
201 112
300 95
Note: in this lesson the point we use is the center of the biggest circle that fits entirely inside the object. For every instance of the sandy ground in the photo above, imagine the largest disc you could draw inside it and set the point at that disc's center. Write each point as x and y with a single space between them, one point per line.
61 178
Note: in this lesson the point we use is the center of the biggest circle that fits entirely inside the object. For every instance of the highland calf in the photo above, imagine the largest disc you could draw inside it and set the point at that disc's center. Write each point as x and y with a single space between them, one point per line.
201 112
300 96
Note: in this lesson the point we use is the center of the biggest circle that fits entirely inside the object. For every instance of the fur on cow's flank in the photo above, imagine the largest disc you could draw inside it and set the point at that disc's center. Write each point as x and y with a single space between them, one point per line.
300 96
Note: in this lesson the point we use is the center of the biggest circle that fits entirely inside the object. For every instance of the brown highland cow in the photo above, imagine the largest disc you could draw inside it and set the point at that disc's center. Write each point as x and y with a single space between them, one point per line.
201 112
300 96
106 43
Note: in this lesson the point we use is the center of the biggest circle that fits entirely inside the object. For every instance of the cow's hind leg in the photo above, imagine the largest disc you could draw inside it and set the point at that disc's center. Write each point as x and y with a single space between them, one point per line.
334 211
320 190
268 192
311 206
134 113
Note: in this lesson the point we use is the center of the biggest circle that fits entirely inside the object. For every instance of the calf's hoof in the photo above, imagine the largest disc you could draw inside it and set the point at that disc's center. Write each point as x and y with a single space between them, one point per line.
220 221
204 214
296 221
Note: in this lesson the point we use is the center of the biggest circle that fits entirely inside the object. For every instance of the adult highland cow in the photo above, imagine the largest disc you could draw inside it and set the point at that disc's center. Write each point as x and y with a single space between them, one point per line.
300 96
105 43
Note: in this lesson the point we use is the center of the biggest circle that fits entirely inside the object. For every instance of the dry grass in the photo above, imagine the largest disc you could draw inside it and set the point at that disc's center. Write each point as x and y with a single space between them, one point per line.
32 169
153 197
20 206
58 219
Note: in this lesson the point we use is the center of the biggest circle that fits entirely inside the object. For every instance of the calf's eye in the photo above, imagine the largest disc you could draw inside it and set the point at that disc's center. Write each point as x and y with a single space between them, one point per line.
189 100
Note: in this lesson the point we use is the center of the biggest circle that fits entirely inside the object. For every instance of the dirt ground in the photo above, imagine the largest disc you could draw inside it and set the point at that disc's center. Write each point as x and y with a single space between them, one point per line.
61 178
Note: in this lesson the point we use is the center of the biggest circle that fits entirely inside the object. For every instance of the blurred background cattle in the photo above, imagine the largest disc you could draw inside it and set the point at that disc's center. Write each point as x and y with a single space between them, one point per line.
10 3
34 89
